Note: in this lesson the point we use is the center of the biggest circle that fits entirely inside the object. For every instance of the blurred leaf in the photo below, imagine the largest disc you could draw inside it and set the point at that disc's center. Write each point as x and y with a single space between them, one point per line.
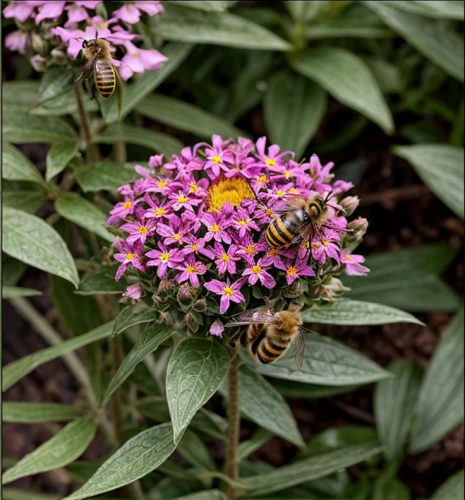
55 82
32 241
76 209
96 284
338 437
300 390
195 451
309 468
361 490
456 136
157 141
64 104
32 413
148 81
441 168
135 459
356 312
439 407
294 108
207 494
263 404
187 117
387 487
107 176
326 362
343 28
17 167
421 132
387 75
190 25
246 448
407 279
347 78
303 12
12 372
452 489
434 40
27 201
22 92
12 270
58 157
394 401
14 494
134 315
16 291
215 6
195 370
151 337
60 450
448 10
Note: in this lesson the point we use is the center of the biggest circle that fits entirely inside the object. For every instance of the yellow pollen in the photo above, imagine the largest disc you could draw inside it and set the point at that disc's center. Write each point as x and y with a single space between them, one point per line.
348 257
293 191
306 244
193 188
134 54
270 162
233 191
142 230
215 228
130 256
287 174
291 271
217 159
243 222
225 258
191 269
160 211
165 257
256 269
281 192
268 211
262 179
325 243
182 199
127 204
102 26
272 252
228 291
250 249
194 247
176 236
162 184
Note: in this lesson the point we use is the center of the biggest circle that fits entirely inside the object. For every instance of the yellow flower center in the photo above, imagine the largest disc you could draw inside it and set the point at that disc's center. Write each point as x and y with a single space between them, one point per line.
182 199
194 247
193 188
228 291
215 228
162 184
134 53
165 257
233 191
287 174
272 252
325 243
244 222
191 269
225 258
293 191
269 211
270 162
281 192
348 257
160 211
102 26
176 236
291 271
256 269
130 256
262 179
142 230
250 249
306 244
217 159
127 204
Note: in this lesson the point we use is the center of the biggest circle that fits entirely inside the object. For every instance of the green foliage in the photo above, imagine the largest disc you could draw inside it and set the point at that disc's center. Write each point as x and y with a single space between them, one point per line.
31 413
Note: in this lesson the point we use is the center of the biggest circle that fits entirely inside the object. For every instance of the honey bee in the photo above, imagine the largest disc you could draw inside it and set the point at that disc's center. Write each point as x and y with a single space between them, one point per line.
269 334
98 54
299 221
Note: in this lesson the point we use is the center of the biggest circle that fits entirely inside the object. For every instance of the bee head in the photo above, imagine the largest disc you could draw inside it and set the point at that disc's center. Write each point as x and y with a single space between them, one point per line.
84 44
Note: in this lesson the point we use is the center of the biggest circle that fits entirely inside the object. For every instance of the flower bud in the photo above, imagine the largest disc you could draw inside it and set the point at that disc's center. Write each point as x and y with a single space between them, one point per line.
293 291
59 57
39 44
349 204
200 305
159 299
38 63
186 294
166 287
191 322
133 292
217 328
358 229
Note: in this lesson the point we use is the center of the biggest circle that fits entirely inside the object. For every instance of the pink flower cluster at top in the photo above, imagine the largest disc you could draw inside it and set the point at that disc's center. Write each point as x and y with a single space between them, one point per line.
201 217
80 22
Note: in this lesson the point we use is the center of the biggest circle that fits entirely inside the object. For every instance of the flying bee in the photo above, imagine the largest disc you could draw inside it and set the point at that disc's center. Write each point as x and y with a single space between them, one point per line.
98 54
269 334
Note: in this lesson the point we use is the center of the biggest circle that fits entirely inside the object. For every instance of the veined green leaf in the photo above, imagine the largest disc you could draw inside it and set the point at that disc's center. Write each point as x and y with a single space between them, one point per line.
437 42
387 75
394 402
452 489
95 284
196 369
151 337
135 459
16 167
185 116
107 176
347 78
27 201
300 390
76 209
356 312
32 241
21 367
309 468
344 28
22 92
441 167
294 108
326 362
134 315
17 291
58 157
449 10
439 407
189 25
55 82
60 450
29 413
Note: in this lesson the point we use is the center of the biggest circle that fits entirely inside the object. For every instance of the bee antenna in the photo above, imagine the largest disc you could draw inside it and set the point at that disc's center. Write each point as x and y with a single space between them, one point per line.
96 34
327 197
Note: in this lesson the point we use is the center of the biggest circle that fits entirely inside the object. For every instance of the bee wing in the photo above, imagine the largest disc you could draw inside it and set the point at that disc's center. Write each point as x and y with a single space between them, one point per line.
299 349
89 65
252 316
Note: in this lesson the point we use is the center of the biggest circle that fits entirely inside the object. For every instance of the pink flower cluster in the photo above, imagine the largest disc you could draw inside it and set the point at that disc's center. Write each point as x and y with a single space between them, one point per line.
201 219
80 22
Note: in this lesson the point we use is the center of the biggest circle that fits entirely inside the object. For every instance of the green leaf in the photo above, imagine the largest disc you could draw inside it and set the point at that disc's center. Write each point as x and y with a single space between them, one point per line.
439 407
157 141
448 10
347 78
55 82
452 489
14 494
262 403
326 362
344 28
387 75
134 315
62 449
407 279
27 201
135 459
294 108
32 413
107 176
246 448
16 291
299 390
356 312
17 167
76 209
195 370
12 271
441 168
58 157
309 468
151 337
22 92
303 12
149 81
21 367
32 241
394 401
212 6
207 494
96 284
189 25
387 487
195 451
64 104
187 117
434 40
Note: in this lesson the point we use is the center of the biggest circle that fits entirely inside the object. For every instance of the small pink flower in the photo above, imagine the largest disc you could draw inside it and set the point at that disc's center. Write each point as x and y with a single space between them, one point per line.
217 328
133 292
129 256
191 270
243 223
352 264
226 260
296 271
216 225
138 60
229 292
257 272
17 41
138 231
164 259
21 11
273 157
130 11
51 10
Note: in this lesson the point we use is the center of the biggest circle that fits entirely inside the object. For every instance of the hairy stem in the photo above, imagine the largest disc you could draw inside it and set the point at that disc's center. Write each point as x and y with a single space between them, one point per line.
232 440
92 149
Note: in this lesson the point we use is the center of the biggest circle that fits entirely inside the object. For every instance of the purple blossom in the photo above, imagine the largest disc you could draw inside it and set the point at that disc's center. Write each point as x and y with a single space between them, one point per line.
258 272
164 259
226 260
217 328
352 264
17 41
243 223
130 11
138 60
129 255
294 271
216 228
138 231
229 292
191 270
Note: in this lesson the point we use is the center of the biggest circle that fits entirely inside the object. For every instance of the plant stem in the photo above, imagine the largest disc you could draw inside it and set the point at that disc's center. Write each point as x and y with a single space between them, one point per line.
94 155
232 440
